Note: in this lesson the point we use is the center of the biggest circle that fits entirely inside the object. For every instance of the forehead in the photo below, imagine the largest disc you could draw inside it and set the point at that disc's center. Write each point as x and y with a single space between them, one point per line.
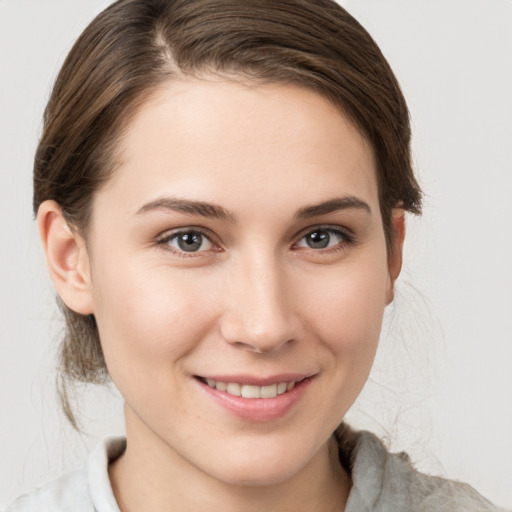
213 137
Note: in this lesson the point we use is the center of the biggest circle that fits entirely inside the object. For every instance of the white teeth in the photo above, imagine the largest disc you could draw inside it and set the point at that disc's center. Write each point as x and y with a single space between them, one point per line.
221 386
234 389
281 388
269 391
249 391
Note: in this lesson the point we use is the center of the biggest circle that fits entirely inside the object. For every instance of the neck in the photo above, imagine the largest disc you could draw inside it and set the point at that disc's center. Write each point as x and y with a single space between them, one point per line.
152 476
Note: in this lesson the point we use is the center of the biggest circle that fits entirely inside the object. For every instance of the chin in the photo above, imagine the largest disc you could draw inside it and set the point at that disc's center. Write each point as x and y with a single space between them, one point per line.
254 474
249 464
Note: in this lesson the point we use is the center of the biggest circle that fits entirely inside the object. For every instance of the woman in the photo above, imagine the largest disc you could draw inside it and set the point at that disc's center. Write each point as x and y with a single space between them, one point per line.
220 190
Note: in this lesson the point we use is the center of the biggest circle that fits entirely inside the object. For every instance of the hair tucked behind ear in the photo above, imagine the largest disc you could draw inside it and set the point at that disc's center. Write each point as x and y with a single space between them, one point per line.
134 46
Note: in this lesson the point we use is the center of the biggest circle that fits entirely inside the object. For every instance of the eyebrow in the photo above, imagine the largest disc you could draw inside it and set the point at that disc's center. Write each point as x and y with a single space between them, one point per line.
333 205
188 207
213 211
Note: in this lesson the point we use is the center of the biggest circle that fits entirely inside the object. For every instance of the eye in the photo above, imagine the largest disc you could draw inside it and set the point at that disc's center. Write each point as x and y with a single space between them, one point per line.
188 241
323 238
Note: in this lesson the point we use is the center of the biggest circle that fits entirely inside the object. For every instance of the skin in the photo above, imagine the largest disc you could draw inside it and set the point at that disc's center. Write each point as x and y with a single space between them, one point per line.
255 299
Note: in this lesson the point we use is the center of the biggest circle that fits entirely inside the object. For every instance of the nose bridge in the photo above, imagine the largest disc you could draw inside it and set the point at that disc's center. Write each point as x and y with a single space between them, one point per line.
258 315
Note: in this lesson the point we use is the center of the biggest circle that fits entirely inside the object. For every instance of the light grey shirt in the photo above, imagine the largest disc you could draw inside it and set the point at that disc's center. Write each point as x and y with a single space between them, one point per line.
382 482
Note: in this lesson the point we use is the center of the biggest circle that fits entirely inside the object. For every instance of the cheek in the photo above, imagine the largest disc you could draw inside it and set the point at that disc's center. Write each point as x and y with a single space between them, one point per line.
346 311
148 318
351 300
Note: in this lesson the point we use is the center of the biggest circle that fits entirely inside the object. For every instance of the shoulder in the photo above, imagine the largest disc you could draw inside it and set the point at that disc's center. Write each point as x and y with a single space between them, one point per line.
85 490
388 481
69 492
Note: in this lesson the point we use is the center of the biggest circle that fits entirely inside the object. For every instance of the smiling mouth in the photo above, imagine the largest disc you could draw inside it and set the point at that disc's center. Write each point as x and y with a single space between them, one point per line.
250 391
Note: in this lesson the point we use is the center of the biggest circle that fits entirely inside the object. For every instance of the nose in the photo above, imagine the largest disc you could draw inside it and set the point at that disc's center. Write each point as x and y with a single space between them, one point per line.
258 316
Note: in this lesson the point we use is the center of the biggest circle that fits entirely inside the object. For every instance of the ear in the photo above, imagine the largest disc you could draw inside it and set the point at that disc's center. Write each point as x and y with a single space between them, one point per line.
396 250
66 257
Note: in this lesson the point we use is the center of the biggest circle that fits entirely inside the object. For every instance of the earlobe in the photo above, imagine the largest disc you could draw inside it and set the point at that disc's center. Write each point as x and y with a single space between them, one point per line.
396 250
66 257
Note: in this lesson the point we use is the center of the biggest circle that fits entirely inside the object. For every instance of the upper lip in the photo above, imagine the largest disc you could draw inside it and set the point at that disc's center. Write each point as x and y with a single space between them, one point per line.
252 380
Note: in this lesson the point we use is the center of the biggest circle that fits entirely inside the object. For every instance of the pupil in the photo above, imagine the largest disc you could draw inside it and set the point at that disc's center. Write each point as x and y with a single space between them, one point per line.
318 239
190 241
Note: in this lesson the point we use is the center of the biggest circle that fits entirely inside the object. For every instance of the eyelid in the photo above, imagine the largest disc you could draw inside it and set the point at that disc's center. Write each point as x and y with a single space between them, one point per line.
163 238
348 240
346 232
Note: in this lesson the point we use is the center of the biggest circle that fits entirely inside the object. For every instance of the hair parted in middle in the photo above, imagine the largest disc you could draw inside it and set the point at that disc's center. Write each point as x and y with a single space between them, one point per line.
135 46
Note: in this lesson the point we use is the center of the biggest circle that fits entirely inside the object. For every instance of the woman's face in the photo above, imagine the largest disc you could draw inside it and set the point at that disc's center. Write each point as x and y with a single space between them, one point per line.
239 248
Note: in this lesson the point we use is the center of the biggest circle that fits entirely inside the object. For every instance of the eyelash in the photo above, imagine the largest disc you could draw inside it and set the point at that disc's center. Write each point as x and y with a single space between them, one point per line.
167 237
347 239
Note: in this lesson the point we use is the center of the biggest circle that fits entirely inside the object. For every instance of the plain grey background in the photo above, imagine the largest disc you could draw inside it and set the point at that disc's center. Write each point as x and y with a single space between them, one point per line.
442 384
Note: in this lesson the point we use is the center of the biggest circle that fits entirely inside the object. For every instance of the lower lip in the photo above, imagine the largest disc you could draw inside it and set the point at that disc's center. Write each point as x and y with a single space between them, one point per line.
258 409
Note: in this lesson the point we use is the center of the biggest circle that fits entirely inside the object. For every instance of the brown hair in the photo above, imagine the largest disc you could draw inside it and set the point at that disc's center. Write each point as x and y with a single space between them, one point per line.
135 45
